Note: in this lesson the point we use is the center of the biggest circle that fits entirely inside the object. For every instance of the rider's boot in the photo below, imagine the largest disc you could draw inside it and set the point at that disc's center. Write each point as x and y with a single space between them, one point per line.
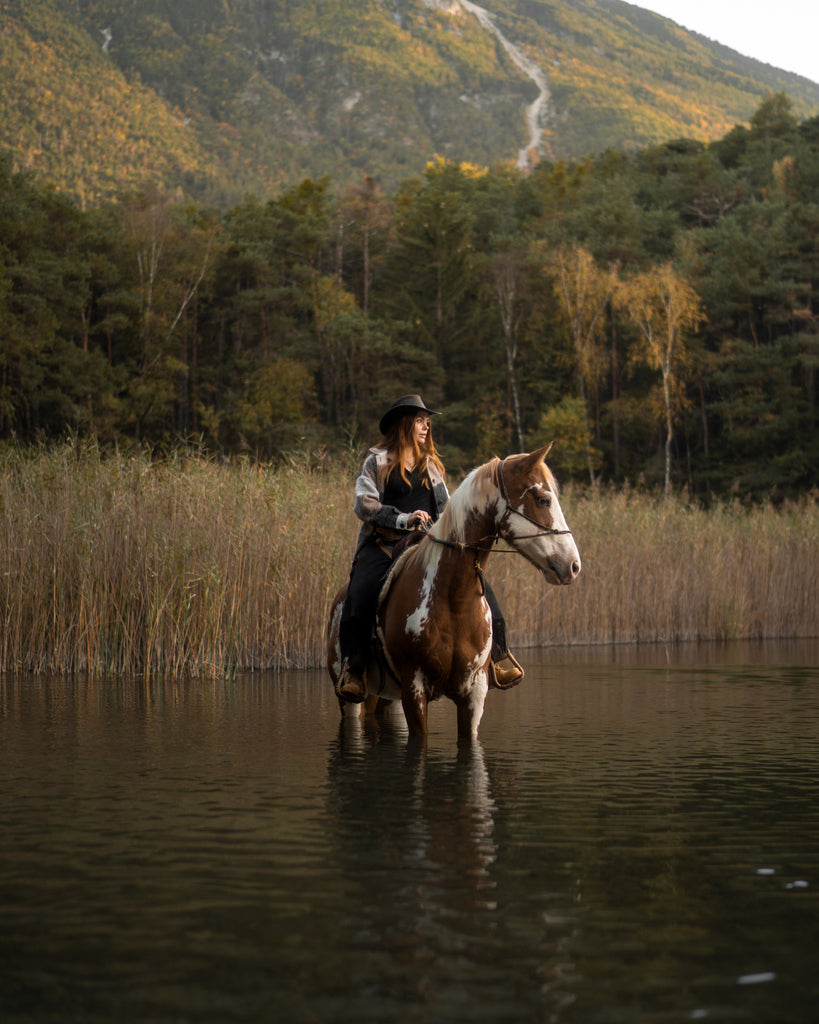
354 641
504 678
352 685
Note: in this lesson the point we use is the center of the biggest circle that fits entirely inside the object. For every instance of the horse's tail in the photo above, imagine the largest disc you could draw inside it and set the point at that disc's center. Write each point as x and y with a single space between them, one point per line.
331 637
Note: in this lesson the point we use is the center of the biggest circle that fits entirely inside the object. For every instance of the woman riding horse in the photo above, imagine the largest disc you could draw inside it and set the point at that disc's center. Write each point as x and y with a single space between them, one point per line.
401 487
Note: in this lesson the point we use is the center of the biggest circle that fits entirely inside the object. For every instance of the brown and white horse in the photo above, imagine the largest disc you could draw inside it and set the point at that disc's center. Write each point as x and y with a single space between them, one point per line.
433 625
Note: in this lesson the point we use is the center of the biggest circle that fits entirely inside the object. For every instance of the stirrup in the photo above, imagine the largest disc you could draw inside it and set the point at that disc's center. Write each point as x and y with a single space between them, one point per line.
352 683
505 678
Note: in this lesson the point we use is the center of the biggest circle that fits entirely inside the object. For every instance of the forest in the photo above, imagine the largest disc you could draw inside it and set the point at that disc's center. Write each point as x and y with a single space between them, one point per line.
654 313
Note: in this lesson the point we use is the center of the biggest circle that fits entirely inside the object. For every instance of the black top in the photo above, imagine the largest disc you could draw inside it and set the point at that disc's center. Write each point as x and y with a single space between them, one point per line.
409 497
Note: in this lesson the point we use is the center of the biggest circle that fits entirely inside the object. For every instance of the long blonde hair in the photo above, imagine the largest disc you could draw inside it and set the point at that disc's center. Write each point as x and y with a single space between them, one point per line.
400 440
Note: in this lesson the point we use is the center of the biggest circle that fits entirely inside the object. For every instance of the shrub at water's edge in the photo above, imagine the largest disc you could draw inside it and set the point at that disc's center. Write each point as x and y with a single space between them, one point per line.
118 563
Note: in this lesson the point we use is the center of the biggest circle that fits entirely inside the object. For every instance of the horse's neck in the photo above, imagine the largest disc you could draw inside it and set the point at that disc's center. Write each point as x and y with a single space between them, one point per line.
480 531
468 523
471 530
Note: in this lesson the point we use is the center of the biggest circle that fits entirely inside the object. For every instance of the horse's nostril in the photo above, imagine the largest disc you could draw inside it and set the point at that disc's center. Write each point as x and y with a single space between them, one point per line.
575 569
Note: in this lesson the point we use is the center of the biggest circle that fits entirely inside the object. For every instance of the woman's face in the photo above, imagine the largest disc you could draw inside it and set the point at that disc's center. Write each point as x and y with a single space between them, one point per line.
420 430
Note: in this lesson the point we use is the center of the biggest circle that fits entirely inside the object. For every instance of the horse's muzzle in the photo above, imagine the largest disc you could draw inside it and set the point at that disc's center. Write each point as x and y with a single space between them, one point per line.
562 572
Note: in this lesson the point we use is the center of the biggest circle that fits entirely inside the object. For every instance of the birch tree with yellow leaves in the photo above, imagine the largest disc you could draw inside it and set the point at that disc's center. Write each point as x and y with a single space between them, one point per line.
585 291
665 308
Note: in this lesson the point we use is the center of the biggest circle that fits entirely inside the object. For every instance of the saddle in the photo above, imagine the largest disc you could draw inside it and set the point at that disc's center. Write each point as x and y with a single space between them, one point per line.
406 542
393 543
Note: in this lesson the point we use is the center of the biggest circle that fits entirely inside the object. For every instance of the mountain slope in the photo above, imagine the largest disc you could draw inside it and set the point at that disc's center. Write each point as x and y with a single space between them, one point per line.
637 79
219 97
67 113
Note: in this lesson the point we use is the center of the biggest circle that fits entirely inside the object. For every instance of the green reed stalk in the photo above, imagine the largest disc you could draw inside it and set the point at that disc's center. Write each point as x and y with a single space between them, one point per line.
118 563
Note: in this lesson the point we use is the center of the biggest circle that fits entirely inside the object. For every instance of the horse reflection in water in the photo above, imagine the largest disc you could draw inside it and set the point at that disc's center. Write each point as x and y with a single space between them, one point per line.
416 831
434 626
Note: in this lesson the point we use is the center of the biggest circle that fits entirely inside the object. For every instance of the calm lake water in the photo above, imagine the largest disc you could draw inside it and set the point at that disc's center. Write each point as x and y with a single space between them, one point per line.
635 838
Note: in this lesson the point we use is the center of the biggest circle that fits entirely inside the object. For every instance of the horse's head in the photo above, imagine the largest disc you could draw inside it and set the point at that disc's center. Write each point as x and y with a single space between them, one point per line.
530 517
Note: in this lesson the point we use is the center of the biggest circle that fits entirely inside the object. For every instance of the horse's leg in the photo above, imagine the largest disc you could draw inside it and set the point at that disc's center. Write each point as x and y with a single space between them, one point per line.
349 710
470 708
381 707
414 700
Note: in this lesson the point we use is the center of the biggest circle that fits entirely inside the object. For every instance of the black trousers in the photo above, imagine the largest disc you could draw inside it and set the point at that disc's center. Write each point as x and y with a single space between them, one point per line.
367 575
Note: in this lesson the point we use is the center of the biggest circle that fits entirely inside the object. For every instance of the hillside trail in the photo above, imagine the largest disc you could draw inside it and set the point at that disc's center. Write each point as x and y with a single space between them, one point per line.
535 110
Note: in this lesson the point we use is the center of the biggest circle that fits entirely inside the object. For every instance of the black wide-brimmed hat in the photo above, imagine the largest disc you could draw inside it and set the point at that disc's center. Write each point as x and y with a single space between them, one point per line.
407 403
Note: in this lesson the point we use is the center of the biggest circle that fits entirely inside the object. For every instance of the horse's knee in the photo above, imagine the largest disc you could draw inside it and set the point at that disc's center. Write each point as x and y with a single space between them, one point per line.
416 719
414 700
468 723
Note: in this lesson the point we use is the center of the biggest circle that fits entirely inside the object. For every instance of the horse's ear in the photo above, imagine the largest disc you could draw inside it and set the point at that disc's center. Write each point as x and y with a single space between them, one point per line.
539 455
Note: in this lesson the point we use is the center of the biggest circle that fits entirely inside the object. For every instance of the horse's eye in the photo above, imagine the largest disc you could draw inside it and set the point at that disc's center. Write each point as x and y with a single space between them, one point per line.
544 502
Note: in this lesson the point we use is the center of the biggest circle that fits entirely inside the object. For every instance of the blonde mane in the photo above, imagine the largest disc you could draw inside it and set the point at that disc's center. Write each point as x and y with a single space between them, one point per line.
475 491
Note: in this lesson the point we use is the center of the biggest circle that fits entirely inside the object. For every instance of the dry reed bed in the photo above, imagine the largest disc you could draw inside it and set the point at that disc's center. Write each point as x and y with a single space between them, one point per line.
659 569
118 564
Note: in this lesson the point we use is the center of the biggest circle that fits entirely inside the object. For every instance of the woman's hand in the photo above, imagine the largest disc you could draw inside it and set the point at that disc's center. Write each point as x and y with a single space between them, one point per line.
419 518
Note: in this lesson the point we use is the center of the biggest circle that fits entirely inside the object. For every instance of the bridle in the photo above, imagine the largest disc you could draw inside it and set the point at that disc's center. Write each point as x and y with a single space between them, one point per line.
509 512
494 537
481 545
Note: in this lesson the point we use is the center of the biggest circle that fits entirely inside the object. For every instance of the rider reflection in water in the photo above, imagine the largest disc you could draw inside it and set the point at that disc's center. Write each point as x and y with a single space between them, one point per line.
400 488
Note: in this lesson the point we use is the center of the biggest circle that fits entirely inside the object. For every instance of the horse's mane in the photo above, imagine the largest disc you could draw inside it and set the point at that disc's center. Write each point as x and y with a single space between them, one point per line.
475 491
551 480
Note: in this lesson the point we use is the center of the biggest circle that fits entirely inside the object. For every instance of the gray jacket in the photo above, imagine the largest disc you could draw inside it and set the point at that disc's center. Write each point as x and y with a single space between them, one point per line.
369 495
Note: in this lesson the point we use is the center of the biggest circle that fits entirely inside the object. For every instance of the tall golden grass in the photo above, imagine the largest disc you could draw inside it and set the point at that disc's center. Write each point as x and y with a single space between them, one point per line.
120 563
660 569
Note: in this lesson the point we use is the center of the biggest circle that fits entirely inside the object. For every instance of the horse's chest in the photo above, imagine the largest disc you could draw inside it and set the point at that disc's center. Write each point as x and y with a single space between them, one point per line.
463 617
451 637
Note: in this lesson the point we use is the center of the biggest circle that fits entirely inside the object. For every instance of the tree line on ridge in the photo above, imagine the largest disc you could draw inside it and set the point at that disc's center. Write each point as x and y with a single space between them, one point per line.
654 313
